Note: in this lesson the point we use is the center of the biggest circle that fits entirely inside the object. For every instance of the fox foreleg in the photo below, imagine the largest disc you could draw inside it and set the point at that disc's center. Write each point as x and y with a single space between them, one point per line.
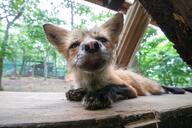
102 98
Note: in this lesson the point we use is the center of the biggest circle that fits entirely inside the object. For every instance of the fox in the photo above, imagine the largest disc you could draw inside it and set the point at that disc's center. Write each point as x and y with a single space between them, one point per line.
89 55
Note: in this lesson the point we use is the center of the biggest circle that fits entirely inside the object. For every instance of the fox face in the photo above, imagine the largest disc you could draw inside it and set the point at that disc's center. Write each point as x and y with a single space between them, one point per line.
87 50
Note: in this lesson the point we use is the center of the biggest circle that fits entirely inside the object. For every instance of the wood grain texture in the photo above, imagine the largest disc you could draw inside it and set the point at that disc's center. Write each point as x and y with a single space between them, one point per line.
135 24
48 110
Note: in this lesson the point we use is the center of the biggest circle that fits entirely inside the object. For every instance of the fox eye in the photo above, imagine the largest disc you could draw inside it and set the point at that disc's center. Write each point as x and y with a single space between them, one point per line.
74 45
101 39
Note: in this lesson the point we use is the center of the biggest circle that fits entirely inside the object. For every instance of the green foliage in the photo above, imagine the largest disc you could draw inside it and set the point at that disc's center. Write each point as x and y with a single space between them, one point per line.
9 8
84 16
15 4
100 17
79 8
158 60
27 35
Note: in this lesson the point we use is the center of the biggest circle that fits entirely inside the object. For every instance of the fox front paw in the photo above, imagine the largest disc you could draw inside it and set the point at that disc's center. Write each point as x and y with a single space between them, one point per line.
75 94
97 100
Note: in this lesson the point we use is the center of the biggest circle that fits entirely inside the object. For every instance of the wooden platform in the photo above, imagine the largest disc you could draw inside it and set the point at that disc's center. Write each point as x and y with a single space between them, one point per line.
47 110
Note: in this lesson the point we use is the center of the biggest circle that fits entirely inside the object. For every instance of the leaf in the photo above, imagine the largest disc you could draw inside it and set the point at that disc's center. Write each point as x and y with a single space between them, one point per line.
15 4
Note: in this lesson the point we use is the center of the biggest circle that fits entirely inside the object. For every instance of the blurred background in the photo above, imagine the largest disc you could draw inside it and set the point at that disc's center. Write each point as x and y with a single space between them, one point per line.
29 63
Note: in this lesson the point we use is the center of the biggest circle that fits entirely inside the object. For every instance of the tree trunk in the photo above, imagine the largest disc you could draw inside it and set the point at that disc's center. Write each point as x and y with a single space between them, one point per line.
1 72
15 67
72 14
33 70
45 64
3 49
23 63
55 65
45 69
22 67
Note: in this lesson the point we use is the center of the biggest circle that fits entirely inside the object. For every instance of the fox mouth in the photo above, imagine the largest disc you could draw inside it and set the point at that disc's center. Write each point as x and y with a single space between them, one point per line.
90 63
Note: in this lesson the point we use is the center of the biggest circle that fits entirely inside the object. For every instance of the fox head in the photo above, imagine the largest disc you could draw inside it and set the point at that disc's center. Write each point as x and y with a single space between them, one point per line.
87 50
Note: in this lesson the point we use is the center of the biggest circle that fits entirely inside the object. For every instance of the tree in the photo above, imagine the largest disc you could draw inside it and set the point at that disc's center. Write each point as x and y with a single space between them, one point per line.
11 11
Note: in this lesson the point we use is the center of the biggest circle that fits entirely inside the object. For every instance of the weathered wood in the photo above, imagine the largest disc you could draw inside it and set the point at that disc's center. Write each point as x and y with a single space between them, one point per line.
174 17
121 5
135 24
48 110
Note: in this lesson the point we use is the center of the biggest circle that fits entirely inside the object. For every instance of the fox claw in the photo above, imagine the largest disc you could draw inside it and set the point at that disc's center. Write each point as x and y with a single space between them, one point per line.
93 101
75 94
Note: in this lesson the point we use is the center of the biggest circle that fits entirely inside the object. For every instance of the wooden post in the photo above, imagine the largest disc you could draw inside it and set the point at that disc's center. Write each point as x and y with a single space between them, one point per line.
135 25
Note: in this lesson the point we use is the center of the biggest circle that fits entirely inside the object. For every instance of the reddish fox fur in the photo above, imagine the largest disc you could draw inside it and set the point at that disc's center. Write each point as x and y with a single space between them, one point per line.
89 55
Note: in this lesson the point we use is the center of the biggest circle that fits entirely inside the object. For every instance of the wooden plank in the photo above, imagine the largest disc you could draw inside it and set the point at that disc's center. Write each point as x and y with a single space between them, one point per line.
45 110
135 25
123 7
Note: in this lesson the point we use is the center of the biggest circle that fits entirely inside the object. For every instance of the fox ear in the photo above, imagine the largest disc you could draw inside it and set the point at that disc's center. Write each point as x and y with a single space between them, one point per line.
114 25
56 36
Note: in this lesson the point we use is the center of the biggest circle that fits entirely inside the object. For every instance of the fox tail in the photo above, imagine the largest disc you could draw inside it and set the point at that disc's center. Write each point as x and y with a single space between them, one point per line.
177 90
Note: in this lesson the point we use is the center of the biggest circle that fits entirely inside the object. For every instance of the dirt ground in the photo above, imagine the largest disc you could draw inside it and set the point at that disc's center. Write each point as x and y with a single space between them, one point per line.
31 84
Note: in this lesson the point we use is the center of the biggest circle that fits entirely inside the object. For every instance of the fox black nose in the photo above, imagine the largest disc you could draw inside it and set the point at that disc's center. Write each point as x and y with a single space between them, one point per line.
92 47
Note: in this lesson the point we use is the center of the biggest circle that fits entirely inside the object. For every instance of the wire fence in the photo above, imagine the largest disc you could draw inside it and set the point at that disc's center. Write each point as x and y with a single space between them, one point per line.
35 69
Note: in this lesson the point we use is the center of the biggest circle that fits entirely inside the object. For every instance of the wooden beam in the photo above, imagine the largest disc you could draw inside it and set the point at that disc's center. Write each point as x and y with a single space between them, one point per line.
174 17
135 25
123 7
